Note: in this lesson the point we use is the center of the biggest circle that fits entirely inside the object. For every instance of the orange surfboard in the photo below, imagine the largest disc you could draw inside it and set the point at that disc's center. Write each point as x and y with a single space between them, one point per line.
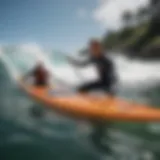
94 108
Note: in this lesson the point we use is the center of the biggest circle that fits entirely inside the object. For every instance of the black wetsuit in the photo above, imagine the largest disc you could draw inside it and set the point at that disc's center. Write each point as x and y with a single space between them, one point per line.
40 76
107 79
106 74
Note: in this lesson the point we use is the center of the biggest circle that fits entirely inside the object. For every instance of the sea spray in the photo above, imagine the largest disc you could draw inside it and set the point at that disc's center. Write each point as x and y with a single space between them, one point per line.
13 72
132 73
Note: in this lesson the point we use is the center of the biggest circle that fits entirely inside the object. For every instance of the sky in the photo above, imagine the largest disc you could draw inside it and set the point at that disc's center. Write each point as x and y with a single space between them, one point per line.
61 24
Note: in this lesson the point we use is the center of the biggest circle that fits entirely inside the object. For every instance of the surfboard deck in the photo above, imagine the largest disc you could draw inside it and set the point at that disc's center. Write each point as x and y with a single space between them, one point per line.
95 108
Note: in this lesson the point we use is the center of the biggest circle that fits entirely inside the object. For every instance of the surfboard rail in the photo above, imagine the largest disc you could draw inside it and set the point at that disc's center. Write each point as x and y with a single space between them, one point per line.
100 108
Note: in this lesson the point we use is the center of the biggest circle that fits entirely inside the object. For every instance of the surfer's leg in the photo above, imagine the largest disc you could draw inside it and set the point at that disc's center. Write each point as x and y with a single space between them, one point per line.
97 138
110 89
90 86
37 111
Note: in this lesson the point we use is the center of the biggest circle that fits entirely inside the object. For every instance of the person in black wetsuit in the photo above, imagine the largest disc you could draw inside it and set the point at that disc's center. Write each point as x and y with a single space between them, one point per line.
41 78
105 69
107 79
39 74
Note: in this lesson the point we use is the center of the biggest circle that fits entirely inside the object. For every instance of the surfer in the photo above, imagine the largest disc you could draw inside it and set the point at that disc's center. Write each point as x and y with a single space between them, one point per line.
41 78
105 69
39 74
107 79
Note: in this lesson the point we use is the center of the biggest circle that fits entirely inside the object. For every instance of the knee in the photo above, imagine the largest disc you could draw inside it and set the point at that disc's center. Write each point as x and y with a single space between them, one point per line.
81 89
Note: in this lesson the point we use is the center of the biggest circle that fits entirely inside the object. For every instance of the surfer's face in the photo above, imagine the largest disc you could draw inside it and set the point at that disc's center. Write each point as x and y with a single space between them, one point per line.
95 49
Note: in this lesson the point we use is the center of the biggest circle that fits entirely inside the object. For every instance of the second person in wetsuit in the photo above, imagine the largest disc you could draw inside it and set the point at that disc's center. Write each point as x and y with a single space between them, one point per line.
40 79
39 74
105 69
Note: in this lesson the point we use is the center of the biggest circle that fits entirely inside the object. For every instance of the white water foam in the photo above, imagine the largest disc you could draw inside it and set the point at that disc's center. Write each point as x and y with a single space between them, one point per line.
130 72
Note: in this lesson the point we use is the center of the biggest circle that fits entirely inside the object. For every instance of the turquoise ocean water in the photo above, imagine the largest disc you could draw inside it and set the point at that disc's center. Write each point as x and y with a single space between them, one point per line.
54 136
